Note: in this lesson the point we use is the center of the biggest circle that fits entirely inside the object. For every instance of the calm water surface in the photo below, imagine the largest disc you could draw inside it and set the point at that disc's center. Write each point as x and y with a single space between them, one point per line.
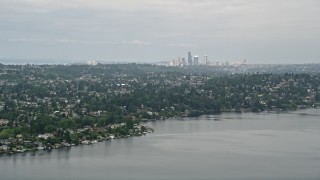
227 146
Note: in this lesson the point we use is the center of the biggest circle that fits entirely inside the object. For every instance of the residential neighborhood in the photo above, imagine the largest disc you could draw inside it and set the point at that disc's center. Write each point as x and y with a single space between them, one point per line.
45 107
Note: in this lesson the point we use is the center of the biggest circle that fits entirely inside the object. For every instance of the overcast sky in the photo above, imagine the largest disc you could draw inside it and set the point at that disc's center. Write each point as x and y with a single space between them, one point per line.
261 31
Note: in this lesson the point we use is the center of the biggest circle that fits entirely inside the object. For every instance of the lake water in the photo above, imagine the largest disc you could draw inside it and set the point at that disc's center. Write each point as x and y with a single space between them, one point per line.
244 146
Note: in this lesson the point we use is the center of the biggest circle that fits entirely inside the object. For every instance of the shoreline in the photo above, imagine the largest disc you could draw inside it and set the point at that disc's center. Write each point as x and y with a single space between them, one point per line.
233 111
68 146
38 145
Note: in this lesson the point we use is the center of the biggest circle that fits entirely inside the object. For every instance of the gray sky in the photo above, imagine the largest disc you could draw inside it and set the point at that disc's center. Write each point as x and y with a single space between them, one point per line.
261 31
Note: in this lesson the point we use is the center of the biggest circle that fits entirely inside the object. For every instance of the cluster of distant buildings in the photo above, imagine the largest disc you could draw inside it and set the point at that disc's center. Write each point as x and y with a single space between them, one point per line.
182 61
93 62
196 61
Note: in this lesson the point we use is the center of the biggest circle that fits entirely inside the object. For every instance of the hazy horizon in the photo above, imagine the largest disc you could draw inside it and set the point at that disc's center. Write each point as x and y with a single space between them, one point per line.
74 61
262 32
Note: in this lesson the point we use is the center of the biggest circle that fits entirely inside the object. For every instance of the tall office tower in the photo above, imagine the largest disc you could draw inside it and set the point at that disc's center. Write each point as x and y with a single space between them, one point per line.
196 61
184 63
178 61
189 59
205 60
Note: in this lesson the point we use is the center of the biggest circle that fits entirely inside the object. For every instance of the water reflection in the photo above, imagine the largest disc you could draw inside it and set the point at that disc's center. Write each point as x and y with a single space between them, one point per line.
63 153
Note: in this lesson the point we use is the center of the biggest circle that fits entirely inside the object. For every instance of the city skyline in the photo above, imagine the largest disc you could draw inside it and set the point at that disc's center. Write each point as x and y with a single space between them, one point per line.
197 61
263 32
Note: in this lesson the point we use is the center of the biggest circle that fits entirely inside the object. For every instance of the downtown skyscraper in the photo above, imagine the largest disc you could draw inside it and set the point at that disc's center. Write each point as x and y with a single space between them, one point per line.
196 61
190 59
